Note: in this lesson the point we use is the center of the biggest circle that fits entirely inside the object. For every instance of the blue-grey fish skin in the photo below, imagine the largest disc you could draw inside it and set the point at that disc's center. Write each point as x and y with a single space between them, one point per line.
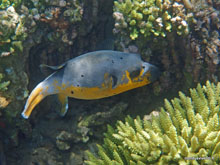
89 69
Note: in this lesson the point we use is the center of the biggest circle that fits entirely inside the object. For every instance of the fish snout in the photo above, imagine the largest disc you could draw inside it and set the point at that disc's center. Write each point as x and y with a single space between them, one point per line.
152 69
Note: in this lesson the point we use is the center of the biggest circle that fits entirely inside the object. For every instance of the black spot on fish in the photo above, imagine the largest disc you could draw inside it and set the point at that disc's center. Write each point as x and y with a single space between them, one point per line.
72 92
114 81
121 58
82 75
135 73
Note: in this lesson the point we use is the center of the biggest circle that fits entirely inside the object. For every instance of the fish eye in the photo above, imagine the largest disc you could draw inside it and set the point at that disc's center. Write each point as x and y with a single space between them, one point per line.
121 58
72 92
82 75
143 67
77 85
112 62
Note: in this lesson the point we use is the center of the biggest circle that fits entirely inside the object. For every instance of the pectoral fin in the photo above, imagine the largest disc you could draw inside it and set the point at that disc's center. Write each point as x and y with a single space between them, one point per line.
64 104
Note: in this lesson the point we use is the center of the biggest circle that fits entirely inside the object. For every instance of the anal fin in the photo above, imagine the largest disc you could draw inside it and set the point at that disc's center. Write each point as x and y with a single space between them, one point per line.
64 104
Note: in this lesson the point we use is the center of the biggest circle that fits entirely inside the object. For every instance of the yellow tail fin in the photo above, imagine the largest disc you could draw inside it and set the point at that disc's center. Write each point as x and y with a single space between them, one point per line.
35 97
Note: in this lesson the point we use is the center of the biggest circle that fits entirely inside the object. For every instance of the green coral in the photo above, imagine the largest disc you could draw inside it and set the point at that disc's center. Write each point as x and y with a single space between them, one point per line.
151 17
71 10
7 3
12 32
3 84
188 132
19 21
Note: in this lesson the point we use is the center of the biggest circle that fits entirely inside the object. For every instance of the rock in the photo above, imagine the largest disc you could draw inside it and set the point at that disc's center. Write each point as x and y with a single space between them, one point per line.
2 155
65 139
75 159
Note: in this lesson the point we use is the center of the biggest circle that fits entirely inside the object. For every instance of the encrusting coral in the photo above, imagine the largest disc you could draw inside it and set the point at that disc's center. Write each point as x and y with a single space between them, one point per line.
12 32
3 84
188 132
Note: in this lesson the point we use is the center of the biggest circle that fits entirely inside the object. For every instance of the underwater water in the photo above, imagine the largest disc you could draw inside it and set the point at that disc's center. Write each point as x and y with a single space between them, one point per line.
179 38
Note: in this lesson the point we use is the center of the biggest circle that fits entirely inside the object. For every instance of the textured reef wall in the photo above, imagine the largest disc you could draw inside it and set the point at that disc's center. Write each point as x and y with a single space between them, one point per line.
42 32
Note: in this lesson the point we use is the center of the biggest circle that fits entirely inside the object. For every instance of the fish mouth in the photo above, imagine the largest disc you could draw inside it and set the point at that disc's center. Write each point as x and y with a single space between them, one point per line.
154 72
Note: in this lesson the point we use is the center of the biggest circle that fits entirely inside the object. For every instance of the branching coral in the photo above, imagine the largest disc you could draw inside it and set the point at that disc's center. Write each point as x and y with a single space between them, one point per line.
144 17
188 132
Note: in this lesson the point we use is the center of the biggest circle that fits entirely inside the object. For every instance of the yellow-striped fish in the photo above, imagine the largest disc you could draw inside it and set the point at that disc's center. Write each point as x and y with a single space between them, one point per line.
93 75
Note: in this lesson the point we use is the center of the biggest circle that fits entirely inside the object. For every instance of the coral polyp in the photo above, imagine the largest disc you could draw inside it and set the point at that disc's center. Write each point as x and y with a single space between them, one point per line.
151 18
12 32
186 131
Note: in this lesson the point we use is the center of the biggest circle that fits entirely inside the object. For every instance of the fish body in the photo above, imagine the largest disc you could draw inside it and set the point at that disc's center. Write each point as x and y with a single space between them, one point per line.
93 75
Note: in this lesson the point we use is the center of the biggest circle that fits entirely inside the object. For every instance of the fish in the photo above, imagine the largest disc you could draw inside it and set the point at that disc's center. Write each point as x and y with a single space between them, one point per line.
93 75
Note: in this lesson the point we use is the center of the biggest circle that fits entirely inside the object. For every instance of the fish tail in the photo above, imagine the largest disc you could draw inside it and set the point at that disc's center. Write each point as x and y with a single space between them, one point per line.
35 97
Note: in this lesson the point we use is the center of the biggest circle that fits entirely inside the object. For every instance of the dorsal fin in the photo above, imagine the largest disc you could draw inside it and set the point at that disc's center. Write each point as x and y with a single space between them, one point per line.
53 67
46 69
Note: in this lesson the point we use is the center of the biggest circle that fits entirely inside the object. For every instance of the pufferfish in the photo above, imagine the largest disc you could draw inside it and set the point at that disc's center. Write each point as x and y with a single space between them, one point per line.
94 75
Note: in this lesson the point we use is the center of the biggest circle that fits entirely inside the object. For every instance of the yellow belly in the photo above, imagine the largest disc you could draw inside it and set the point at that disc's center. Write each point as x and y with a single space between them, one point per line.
106 90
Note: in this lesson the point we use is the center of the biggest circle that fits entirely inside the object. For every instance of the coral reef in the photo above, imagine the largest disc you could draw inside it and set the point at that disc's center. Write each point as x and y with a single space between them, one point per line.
43 156
85 124
13 84
3 84
7 3
26 27
3 102
205 46
60 17
35 32
12 32
151 18
187 132
15 42
193 57
65 139
86 127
